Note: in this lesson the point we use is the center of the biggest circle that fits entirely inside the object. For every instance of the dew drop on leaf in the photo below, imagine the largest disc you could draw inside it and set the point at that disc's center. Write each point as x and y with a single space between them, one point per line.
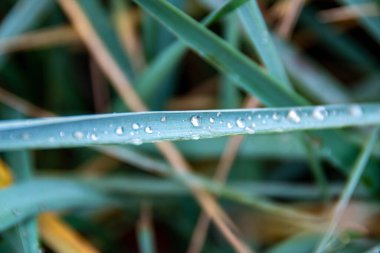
229 124
319 113
240 123
94 137
355 110
135 126
212 120
293 116
195 120
119 130
148 130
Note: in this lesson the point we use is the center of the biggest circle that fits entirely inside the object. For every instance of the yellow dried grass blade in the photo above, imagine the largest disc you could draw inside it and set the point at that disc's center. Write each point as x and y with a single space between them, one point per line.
61 237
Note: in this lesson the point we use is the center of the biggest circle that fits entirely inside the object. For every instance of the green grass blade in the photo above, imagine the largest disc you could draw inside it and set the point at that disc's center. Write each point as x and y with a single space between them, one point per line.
157 188
229 94
152 77
137 128
24 200
23 16
348 191
254 24
220 54
371 23
24 236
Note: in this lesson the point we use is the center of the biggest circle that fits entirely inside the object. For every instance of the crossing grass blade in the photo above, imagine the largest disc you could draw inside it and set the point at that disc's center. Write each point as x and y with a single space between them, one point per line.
245 73
257 30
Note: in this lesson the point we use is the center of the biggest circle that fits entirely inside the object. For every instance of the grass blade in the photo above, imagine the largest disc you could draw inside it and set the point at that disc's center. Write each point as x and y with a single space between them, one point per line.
137 128
166 61
254 24
348 191
21 163
221 55
27 199
22 17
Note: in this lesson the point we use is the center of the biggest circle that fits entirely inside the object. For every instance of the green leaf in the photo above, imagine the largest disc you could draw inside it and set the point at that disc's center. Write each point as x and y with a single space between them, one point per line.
23 16
24 200
149 81
254 24
220 54
137 128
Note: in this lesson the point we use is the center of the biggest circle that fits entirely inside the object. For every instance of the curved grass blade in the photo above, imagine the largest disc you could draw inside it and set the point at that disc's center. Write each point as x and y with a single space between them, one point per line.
254 24
137 128
165 62
27 199
220 54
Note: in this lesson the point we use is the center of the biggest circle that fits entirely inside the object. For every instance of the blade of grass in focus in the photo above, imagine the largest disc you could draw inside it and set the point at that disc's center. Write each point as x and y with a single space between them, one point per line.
138 128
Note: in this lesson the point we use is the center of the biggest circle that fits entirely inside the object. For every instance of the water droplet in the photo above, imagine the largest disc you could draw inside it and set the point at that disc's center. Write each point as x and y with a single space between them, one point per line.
293 116
229 125
212 120
263 121
78 135
94 137
356 111
249 117
319 113
163 119
148 130
119 130
136 141
195 120
61 133
218 114
240 123
276 117
135 126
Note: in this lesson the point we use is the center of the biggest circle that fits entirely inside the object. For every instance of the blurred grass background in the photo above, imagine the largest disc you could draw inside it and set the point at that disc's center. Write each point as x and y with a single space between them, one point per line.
51 62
